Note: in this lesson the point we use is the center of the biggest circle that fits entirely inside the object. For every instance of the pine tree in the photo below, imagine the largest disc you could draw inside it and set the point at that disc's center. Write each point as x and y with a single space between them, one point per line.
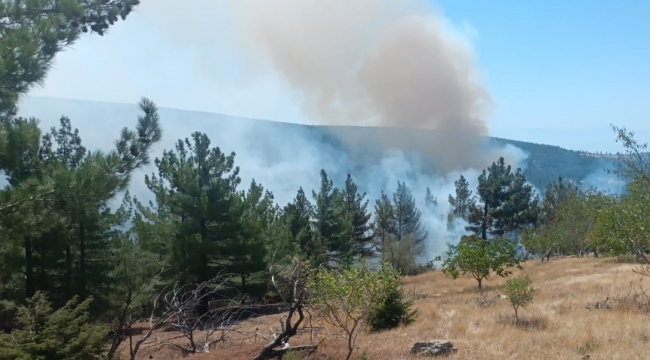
247 251
430 202
492 193
355 210
461 202
521 207
298 214
60 234
407 215
32 32
506 202
45 333
555 195
384 225
329 241
398 230
194 218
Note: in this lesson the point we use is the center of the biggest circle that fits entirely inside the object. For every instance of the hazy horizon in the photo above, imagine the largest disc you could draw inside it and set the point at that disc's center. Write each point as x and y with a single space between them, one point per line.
594 139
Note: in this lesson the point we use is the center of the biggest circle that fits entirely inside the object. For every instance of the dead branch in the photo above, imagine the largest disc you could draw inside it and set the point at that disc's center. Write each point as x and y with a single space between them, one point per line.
207 307
123 326
289 327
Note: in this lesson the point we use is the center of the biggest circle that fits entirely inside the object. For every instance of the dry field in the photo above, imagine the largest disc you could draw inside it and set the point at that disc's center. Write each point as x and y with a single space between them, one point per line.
557 325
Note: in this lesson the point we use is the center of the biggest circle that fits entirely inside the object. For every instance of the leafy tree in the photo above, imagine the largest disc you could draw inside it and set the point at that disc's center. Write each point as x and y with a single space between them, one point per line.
622 225
542 242
623 222
576 220
45 333
635 161
520 292
345 298
461 202
478 258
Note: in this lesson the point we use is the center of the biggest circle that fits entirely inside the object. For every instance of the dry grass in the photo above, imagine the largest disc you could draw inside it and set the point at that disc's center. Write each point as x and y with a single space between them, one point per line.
557 325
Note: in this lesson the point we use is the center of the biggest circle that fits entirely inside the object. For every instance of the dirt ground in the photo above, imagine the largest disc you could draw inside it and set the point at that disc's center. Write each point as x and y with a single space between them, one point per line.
567 319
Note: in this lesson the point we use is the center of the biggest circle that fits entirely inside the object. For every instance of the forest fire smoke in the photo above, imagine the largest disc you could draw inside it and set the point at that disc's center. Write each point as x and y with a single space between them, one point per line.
369 62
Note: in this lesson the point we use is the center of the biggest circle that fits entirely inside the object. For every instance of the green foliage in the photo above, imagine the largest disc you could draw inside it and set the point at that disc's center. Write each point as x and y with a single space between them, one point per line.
32 32
363 356
622 225
505 202
395 310
478 258
569 225
461 202
197 222
44 333
345 298
622 222
355 213
398 230
520 292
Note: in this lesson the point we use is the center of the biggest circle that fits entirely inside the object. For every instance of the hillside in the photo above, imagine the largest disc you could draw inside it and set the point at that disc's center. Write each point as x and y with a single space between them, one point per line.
290 147
563 322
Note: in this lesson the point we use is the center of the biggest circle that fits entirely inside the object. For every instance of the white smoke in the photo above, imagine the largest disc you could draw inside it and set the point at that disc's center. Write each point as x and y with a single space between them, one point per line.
393 63
387 63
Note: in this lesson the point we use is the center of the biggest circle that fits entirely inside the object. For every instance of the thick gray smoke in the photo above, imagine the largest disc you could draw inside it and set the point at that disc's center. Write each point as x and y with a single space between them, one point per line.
387 63
392 63
281 157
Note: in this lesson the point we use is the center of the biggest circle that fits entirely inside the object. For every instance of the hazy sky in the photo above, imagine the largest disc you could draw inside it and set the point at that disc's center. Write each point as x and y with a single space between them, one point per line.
547 65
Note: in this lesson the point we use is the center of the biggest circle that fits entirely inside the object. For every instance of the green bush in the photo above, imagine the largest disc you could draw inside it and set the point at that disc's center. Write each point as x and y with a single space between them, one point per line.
392 312
44 333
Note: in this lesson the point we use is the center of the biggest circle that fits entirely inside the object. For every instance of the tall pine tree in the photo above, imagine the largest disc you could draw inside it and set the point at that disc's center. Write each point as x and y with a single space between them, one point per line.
355 211
195 215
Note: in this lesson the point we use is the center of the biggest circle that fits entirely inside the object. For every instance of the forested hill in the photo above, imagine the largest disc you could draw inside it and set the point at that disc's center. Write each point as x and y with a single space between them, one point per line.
294 148
546 163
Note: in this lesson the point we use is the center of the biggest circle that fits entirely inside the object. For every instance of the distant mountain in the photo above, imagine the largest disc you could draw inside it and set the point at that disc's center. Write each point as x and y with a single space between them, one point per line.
288 155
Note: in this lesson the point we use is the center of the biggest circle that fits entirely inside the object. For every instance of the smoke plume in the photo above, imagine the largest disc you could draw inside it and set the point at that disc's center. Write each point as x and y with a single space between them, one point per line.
389 63
381 63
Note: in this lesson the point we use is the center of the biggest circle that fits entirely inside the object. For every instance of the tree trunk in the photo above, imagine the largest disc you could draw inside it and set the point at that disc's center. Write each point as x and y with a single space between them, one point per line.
480 281
516 316
484 224
29 269
82 262
68 272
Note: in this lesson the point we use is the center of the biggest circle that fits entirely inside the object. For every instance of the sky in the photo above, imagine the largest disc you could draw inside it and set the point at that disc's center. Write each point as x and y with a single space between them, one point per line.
556 72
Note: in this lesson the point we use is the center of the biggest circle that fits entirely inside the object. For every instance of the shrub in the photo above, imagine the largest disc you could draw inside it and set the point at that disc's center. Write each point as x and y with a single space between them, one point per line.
392 312
520 292
344 298
44 333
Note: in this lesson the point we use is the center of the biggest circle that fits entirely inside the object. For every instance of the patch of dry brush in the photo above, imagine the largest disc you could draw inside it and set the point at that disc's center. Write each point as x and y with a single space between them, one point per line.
561 323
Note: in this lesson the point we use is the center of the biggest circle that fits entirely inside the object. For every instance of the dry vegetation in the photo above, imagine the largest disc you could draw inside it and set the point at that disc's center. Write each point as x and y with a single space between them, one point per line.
582 307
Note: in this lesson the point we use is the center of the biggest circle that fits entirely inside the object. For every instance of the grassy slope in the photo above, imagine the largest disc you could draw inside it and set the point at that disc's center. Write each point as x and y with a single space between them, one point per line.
556 326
